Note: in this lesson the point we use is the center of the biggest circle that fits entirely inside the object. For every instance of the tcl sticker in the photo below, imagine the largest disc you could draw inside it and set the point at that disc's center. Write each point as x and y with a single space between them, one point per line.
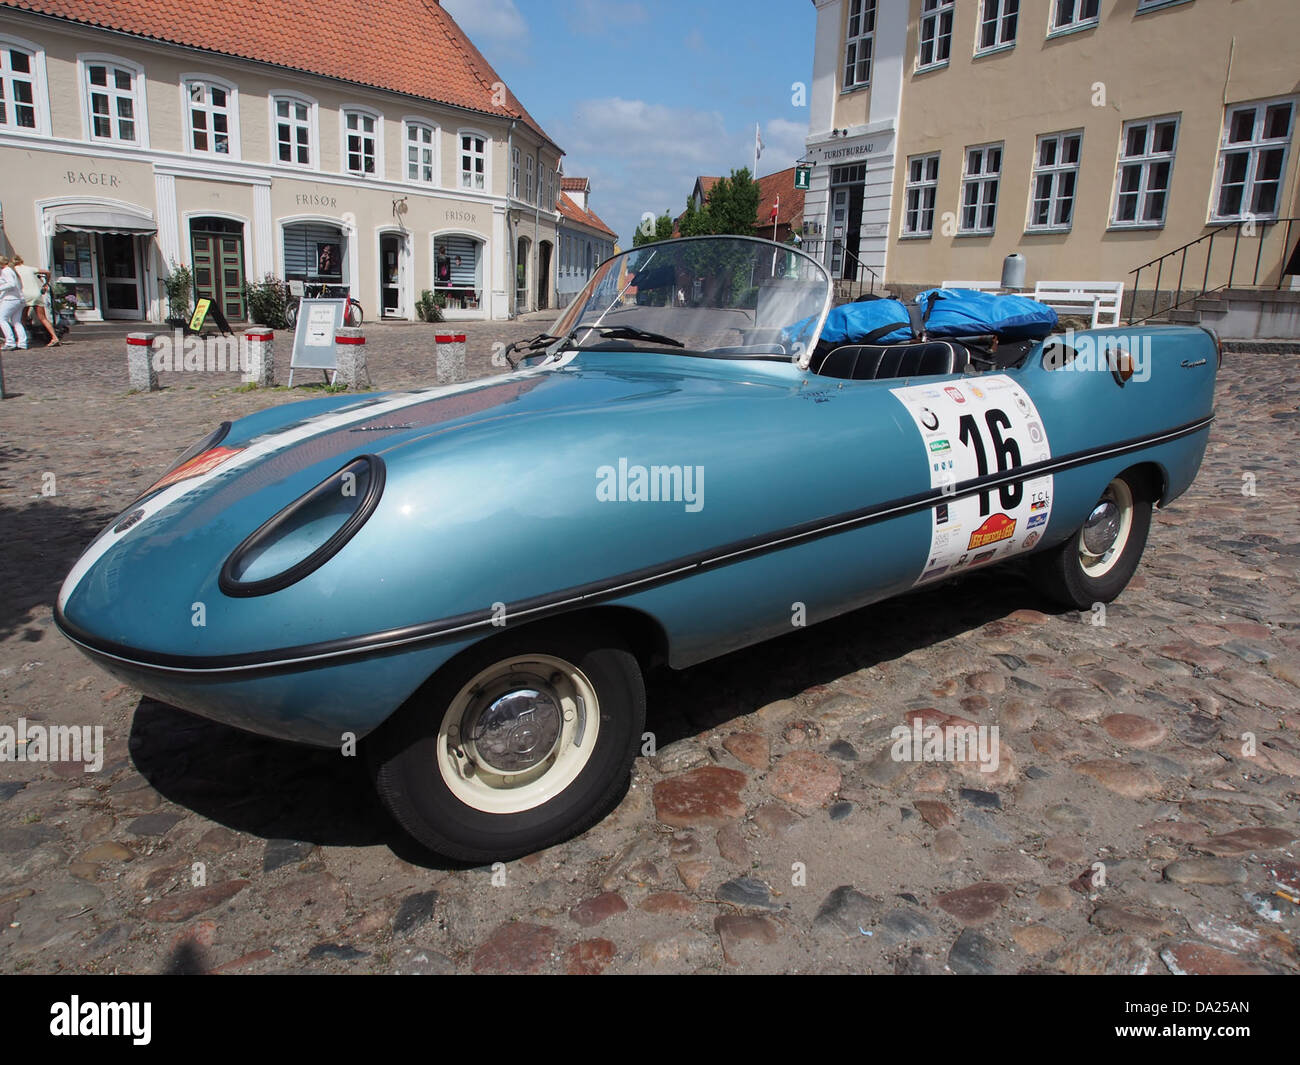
974 429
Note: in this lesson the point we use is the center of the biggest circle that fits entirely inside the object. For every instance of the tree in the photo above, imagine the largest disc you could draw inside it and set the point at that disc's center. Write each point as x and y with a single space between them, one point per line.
663 230
732 206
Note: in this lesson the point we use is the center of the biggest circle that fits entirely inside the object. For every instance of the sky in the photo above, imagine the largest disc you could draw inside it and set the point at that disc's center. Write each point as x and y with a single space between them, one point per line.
646 95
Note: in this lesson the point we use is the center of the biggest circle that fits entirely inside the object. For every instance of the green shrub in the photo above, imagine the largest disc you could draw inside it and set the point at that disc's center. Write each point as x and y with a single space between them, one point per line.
429 306
178 284
268 300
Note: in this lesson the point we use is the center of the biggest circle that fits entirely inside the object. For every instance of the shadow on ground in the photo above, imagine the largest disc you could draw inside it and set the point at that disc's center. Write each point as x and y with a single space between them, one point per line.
279 790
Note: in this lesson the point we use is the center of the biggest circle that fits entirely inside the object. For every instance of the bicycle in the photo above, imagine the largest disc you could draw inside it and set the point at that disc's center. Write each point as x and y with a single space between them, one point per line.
353 314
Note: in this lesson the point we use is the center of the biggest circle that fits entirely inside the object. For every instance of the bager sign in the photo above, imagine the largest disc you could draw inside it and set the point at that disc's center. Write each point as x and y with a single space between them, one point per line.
998 527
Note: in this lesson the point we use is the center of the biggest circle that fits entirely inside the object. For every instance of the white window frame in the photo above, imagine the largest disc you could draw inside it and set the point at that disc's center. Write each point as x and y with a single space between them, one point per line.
529 180
1257 145
864 11
140 109
920 186
40 87
514 171
486 154
1055 172
360 111
983 179
997 13
311 124
231 111
1076 19
1147 161
1155 5
409 123
932 13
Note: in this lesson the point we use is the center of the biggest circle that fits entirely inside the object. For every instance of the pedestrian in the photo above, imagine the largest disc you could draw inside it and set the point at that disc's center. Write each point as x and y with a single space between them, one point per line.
11 307
36 283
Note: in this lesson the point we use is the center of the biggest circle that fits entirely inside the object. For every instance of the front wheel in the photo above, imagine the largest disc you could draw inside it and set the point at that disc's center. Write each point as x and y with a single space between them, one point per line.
354 315
518 745
1098 561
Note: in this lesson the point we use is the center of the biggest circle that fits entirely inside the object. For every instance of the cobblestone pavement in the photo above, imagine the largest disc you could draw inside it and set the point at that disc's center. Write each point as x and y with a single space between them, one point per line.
1143 817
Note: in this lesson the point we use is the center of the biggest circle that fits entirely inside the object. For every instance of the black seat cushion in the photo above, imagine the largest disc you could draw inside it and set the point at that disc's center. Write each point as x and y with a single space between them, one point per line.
874 362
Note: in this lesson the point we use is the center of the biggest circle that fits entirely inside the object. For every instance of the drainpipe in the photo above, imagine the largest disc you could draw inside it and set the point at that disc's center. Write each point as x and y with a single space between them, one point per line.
537 217
512 251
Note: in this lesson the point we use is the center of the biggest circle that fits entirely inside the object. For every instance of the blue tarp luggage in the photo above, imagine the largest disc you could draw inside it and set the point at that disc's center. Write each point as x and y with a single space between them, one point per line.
947 312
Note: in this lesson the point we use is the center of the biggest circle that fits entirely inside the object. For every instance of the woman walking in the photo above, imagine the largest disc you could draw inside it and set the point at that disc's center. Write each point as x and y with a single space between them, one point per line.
36 283
11 307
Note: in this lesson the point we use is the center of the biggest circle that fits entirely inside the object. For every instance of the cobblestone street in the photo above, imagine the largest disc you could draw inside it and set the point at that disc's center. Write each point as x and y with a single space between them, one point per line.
1145 816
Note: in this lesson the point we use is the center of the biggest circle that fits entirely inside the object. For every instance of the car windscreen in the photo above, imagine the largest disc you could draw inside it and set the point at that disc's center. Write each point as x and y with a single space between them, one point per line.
724 296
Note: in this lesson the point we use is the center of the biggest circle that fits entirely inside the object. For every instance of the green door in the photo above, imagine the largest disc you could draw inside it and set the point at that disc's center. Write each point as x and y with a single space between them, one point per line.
217 247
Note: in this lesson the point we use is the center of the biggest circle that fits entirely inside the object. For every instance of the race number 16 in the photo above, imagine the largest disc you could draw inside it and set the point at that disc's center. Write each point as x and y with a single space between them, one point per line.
1005 450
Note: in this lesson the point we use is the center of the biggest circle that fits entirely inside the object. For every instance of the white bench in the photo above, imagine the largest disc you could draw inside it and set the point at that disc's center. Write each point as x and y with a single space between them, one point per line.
978 286
1100 298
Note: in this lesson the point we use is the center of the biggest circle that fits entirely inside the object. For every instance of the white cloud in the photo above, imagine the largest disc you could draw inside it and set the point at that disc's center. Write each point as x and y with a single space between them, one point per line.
645 157
497 27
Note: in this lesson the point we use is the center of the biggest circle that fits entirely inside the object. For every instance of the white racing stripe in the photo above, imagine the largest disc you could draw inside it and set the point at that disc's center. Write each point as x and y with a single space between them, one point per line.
272 443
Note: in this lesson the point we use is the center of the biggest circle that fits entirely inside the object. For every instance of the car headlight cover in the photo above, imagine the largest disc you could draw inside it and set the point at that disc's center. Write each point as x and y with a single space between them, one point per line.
306 533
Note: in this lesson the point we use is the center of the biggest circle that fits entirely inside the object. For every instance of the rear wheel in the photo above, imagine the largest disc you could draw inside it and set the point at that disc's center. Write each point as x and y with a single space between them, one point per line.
517 746
1099 560
354 315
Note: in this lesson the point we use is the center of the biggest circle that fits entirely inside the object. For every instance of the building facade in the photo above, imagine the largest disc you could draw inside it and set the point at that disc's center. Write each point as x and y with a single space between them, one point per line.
309 145
1090 136
585 241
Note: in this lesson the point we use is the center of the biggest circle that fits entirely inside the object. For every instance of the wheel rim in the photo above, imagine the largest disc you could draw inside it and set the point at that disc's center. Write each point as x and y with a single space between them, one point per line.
1105 534
518 734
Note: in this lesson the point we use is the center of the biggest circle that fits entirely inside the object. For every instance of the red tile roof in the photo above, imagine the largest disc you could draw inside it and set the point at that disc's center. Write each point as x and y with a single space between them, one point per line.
570 210
411 47
770 188
575 184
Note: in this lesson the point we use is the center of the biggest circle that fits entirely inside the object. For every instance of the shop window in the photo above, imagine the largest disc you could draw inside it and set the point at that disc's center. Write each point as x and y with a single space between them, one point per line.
457 270
315 252
74 267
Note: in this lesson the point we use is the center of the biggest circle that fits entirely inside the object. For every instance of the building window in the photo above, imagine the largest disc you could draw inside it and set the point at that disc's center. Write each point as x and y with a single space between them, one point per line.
421 140
1252 159
315 252
359 142
514 173
1056 177
457 271
1146 163
936 33
528 179
1074 14
861 42
979 189
919 195
114 108
211 107
473 161
293 130
997 28
17 87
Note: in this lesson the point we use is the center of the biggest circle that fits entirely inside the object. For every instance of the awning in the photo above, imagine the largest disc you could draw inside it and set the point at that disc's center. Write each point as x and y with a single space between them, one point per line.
103 220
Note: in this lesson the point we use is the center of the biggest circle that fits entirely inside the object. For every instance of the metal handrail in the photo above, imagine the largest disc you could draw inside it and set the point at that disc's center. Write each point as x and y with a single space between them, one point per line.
1176 300
817 248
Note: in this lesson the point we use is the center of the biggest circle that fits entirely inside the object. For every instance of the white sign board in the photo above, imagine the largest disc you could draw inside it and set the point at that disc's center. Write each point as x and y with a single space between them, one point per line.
313 339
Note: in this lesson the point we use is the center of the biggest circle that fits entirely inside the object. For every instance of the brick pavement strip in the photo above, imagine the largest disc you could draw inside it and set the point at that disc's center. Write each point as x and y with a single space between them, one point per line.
1154 792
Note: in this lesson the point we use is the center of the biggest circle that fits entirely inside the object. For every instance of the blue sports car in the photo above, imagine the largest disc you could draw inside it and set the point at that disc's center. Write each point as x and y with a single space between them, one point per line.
471 579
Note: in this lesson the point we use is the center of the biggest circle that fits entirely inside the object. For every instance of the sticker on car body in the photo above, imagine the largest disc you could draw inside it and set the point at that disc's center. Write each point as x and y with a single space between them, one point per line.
971 429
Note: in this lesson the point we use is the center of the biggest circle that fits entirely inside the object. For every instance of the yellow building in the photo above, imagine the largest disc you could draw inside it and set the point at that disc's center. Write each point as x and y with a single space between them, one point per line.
1090 136
355 144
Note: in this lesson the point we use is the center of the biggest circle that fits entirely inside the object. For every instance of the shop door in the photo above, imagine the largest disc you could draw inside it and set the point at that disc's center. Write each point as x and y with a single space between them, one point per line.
119 276
543 275
392 279
218 258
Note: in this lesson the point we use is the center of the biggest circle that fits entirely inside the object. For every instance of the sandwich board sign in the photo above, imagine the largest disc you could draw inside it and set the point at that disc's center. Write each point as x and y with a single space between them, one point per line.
319 321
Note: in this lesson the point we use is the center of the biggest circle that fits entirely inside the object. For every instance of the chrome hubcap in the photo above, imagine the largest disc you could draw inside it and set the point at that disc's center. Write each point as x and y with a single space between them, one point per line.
518 730
1101 528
